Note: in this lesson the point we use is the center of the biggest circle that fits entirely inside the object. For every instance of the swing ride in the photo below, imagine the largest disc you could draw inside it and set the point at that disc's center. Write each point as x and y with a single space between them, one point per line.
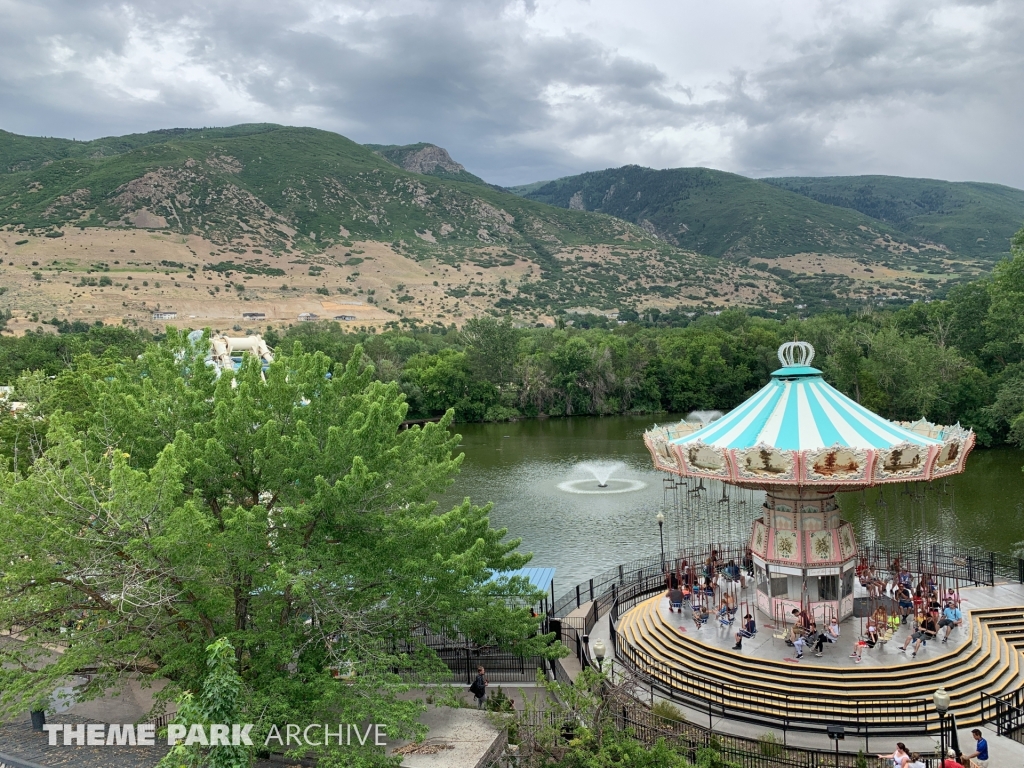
792 446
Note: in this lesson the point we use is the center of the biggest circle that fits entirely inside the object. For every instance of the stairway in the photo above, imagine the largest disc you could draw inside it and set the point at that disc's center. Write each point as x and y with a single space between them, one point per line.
989 661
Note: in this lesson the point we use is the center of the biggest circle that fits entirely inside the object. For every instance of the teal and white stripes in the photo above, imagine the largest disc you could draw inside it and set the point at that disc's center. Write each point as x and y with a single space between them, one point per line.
800 414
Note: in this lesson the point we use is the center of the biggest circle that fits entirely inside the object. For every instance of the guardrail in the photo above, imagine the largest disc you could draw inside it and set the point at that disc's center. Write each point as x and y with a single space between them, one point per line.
1006 713
968 564
747 702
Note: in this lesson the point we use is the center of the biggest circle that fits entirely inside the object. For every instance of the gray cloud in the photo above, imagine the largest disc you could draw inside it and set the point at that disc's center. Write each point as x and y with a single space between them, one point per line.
909 87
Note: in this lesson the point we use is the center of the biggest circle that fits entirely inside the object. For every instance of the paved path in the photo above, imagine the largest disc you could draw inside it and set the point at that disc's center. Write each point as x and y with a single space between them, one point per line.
21 747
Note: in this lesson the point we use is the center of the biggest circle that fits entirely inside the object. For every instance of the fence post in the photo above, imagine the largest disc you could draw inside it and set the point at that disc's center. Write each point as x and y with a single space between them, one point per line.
621 578
469 673
1020 570
577 595
991 568
591 589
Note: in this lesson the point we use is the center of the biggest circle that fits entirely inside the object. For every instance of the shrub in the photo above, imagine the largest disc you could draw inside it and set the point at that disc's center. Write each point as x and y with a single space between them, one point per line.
55 234
106 281
21 242
668 711
770 745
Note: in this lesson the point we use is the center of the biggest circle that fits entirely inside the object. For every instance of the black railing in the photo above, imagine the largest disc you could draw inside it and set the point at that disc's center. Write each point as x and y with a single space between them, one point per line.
776 707
689 738
1005 713
599 588
969 565
501 666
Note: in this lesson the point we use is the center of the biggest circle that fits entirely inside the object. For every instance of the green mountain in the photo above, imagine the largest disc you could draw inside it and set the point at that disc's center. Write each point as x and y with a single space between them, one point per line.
909 223
969 218
278 191
717 213
427 159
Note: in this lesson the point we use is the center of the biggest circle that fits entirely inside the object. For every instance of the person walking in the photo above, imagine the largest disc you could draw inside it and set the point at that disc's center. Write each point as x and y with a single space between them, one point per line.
899 757
980 754
479 687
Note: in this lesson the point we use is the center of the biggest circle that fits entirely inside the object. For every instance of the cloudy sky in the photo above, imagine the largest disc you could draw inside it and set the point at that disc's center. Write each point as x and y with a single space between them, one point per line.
521 90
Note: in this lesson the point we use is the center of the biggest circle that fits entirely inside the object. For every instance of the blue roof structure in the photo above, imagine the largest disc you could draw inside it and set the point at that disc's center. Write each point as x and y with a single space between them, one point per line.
540 578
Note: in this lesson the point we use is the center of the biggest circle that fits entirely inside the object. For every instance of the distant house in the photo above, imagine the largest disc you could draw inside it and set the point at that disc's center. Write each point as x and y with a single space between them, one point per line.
165 315
346 318
308 317
254 315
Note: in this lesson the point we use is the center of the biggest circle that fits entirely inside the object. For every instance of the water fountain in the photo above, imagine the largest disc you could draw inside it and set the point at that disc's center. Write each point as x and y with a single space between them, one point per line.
704 417
602 472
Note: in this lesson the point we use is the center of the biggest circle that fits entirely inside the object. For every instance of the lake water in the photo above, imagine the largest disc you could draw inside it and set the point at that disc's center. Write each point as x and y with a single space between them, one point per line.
582 531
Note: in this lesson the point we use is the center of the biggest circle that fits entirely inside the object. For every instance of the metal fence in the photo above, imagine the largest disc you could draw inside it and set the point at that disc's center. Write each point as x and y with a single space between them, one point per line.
775 707
689 738
599 588
501 666
969 565
1006 713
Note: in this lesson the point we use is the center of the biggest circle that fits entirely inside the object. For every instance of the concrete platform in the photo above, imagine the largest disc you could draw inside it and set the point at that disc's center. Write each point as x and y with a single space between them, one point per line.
837 657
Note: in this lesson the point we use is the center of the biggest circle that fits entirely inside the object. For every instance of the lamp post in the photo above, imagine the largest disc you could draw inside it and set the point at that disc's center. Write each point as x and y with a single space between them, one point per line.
599 650
661 535
941 700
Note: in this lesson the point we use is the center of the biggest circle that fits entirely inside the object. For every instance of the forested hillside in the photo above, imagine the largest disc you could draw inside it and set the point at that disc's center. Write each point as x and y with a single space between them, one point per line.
968 218
961 359
717 213
264 195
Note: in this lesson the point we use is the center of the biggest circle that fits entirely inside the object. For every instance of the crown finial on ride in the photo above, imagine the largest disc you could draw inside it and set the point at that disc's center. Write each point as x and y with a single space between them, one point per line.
796 353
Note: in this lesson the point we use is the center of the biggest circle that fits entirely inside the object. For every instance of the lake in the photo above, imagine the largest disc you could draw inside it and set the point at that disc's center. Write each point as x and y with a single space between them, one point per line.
581 530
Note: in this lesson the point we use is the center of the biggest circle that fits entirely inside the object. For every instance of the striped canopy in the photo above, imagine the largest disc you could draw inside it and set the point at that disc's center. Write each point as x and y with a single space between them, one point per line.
798 430
798 411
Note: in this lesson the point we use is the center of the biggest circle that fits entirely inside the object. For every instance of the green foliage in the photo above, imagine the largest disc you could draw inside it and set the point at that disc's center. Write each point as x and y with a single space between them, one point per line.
711 211
220 702
769 745
969 218
260 509
499 701
253 268
668 711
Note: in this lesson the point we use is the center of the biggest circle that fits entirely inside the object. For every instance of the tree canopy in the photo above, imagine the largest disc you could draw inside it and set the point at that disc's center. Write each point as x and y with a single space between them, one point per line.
161 509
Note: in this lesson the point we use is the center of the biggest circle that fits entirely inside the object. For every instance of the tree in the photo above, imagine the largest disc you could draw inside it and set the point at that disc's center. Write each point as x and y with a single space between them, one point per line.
287 514
493 348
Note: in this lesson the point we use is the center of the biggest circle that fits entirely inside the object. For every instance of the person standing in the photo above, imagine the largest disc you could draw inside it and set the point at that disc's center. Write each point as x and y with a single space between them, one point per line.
479 687
951 761
980 755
